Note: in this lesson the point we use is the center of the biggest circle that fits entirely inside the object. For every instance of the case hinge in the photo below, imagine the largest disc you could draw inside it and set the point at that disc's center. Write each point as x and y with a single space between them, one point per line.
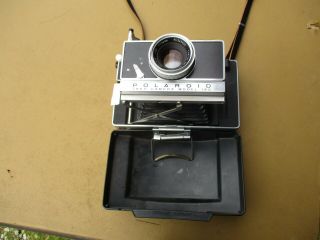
171 133
166 137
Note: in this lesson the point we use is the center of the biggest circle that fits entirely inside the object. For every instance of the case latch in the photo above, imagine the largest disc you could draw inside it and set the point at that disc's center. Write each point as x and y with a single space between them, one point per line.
171 143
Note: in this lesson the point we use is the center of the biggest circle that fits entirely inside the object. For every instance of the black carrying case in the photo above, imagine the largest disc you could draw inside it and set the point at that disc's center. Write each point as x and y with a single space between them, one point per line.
210 184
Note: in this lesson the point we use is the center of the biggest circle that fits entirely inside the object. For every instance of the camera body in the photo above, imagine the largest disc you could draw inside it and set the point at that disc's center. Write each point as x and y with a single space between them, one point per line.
204 80
176 153
209 87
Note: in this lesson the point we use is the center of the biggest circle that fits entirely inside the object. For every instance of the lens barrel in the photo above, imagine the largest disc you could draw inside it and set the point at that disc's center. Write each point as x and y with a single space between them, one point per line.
172 56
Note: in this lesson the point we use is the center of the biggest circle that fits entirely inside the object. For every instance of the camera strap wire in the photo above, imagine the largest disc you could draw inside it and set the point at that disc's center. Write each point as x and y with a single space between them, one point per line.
232 53
135 13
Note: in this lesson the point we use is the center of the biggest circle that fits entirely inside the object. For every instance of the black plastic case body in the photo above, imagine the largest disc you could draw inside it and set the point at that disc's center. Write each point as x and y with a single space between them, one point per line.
210 184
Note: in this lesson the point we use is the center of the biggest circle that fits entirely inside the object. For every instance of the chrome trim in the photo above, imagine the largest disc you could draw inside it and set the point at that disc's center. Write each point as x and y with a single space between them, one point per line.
183 126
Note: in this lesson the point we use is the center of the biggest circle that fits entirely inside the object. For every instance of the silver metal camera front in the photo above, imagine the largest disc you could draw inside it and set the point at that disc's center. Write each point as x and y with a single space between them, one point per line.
172 74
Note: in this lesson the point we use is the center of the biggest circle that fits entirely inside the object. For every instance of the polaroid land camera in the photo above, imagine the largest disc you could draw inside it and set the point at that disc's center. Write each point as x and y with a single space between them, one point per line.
177 153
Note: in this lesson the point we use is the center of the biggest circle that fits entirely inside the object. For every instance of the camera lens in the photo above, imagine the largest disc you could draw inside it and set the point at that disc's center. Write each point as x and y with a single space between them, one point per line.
172 59
172 56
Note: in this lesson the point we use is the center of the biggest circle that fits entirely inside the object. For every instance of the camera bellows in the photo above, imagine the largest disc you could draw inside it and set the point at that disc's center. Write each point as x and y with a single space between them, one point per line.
170 113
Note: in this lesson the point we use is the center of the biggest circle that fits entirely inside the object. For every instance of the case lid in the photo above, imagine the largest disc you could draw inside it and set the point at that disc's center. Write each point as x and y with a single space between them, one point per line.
209 183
